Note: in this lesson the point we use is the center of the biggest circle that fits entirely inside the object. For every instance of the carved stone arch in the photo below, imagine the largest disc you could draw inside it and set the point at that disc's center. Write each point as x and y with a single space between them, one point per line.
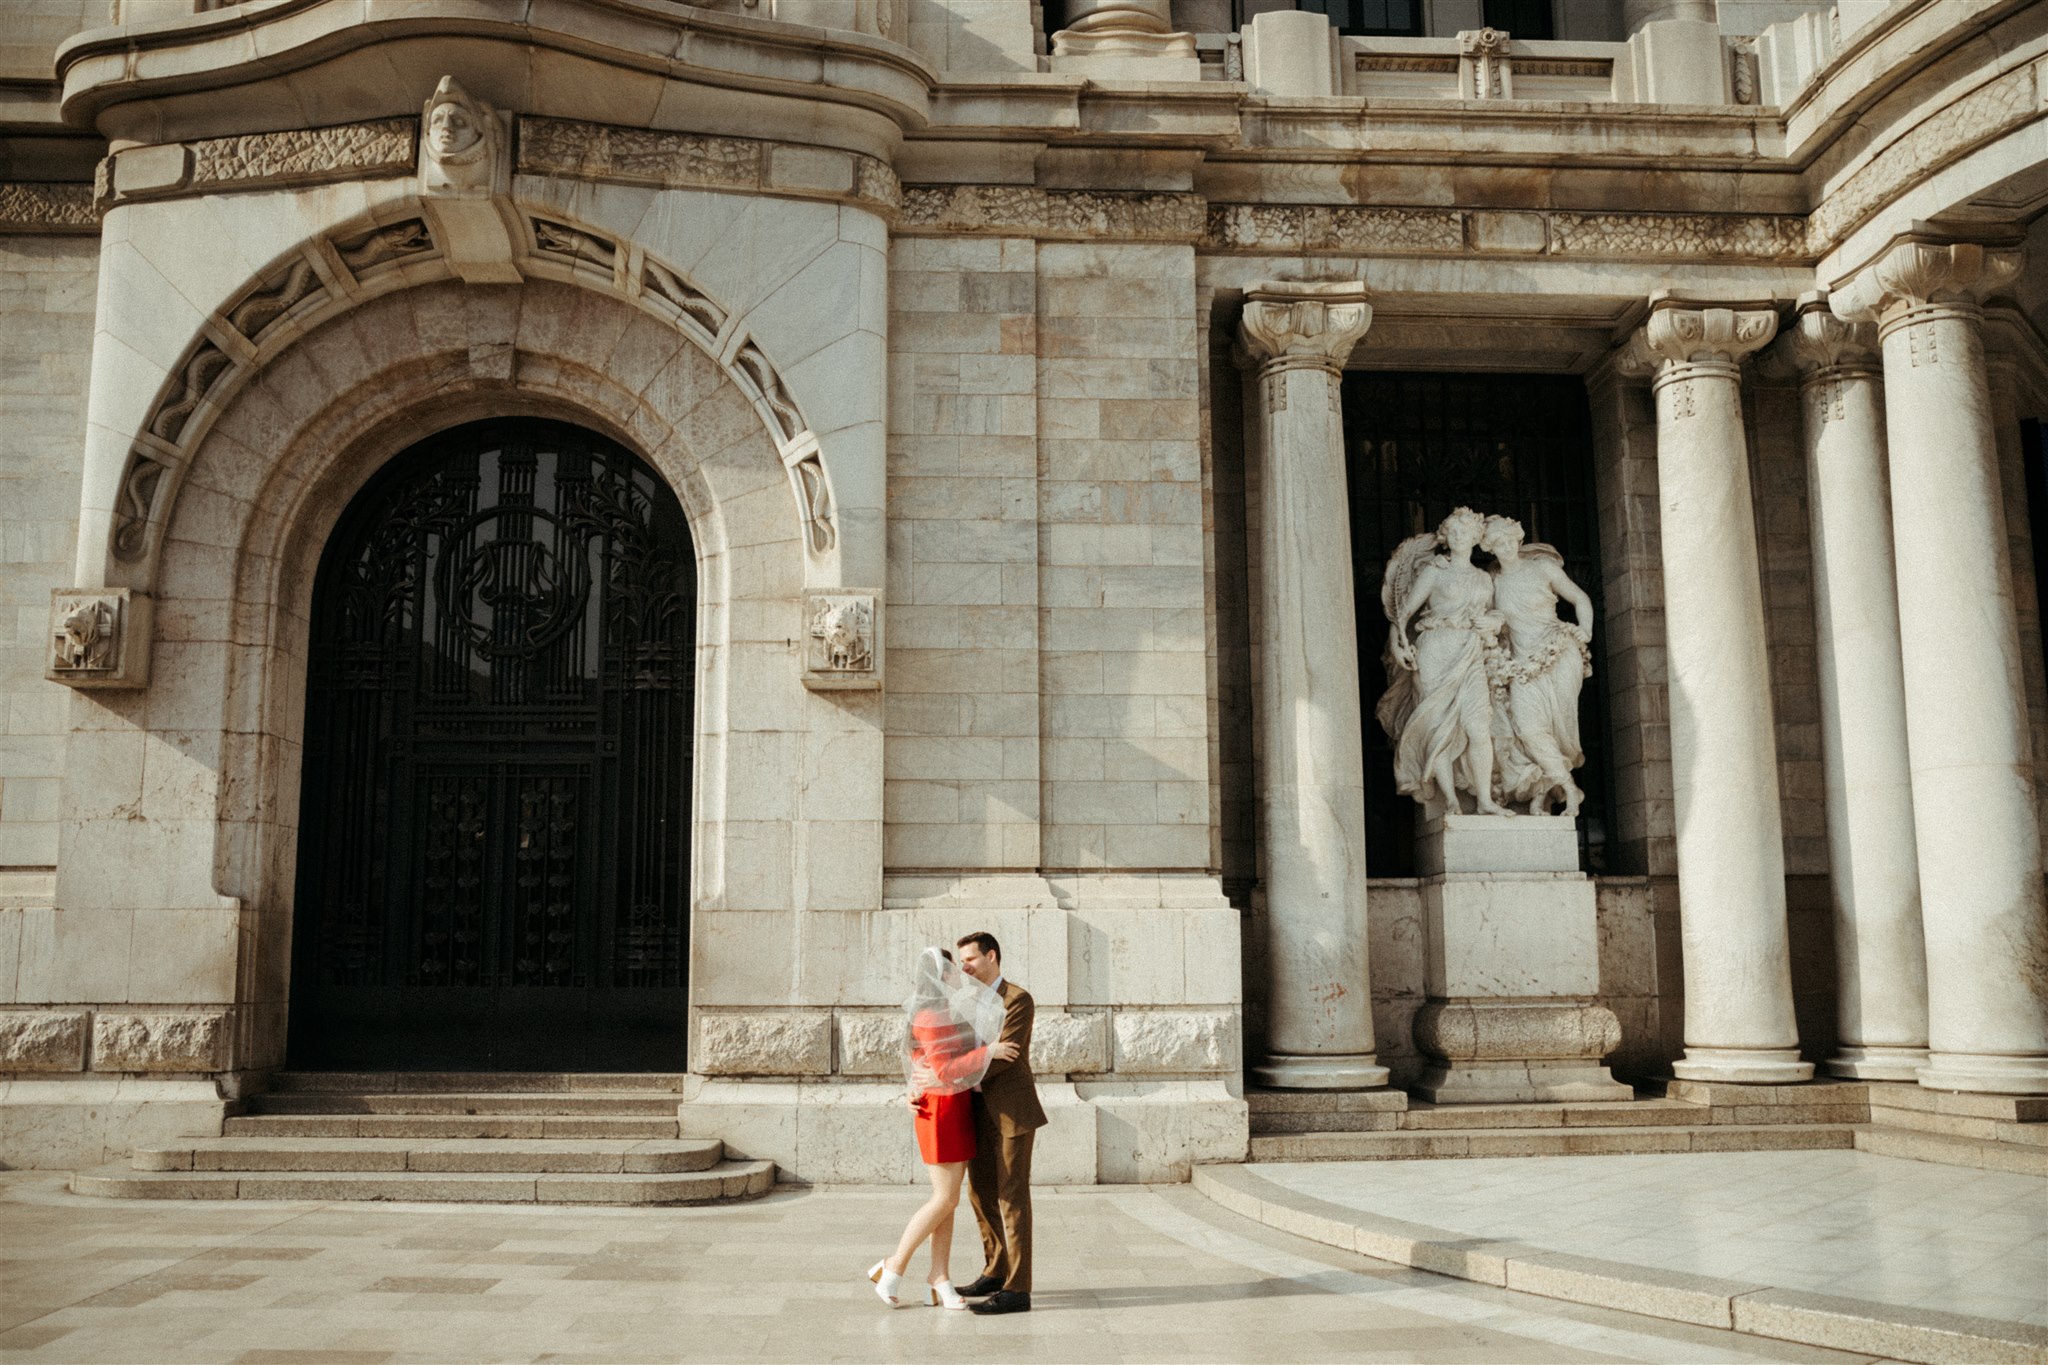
344 269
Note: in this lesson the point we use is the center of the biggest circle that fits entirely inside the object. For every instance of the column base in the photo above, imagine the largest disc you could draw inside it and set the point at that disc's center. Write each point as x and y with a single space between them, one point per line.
1878 1063
1543 1082
1743 1066
1346 1071
1985 1074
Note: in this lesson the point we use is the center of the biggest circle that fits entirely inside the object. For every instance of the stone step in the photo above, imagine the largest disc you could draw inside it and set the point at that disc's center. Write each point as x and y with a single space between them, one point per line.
2017 1158
617 1103
529 1156
473 1082
728 1180
1484 1142
601 1126
2002 1108
1325 1111
1590 1114
1960 1125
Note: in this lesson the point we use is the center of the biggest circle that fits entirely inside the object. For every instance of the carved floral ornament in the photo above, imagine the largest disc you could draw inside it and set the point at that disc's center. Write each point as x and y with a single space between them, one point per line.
1312 324
840 634
1921 271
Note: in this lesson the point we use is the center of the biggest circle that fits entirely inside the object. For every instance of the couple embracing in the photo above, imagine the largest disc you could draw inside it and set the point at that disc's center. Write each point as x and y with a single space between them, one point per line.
974 1101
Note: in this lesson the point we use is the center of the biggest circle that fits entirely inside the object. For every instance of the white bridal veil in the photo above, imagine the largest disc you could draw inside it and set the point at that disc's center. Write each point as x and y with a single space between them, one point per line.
948 1023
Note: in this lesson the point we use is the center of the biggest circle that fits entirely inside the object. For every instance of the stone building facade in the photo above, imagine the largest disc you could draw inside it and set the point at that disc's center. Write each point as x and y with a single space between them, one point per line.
1021 405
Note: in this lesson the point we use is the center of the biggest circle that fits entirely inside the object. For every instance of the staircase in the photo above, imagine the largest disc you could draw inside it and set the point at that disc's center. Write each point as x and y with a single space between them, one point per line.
501 1138
1993 1132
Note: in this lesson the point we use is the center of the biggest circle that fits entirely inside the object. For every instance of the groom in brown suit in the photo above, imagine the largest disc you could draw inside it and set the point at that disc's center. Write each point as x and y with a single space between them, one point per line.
1007 1116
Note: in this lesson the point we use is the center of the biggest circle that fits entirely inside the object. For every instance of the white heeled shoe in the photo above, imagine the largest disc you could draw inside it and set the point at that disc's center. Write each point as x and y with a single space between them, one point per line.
944 1295
888 1284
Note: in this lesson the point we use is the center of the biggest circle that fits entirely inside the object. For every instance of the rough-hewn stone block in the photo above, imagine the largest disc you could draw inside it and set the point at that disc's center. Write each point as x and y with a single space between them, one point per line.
765 1045
871 1044
1069 1044
1156 1042
43 1041
159 1042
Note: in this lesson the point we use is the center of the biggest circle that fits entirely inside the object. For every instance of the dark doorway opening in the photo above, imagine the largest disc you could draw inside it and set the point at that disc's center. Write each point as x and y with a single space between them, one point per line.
1418 445
495 809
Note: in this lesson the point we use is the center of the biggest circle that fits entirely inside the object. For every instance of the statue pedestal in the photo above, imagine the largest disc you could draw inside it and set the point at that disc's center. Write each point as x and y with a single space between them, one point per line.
1514 964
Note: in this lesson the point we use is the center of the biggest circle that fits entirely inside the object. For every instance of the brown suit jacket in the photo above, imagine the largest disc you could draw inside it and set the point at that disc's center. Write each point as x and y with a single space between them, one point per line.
1008 1089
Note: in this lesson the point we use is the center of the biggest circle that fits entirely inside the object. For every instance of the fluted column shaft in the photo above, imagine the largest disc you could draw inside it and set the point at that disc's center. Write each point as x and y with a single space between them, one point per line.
1978 836
1724 759
1880 963
1311 726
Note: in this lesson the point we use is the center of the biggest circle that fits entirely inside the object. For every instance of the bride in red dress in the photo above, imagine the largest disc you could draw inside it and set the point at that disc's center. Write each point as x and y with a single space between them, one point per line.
952 1017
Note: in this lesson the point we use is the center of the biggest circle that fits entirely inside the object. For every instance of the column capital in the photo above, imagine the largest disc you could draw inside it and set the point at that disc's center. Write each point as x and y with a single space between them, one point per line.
1818 342
1299 324
1682 331
1922 268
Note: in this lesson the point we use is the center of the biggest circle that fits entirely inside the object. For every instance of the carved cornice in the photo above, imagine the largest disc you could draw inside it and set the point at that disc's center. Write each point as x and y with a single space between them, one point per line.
1977 118
1071 215
1778 238
1918 270
646 156
1288 324
375 150
39 206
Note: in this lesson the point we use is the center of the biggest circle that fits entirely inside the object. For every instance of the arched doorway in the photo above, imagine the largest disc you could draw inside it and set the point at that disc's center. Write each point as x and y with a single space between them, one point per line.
494 822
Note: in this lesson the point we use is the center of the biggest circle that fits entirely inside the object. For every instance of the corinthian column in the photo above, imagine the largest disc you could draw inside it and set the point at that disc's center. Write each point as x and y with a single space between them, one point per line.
1972 759
1724 753
1881 967
1312 779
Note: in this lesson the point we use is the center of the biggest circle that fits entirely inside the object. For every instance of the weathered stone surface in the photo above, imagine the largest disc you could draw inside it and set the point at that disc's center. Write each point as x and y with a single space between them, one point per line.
1491 1029
871 1044
43 1041
765 1045
159 1042
1158 1042
1069 1044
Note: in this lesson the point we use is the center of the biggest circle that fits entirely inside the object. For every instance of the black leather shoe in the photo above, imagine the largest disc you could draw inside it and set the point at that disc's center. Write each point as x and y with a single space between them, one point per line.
981 1288
1003 1301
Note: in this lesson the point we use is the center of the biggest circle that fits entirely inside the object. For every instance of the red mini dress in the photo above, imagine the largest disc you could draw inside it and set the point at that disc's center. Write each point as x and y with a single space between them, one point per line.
944 1123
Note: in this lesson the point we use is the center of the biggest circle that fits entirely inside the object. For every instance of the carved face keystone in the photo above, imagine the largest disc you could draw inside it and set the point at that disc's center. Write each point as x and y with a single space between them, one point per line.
451 130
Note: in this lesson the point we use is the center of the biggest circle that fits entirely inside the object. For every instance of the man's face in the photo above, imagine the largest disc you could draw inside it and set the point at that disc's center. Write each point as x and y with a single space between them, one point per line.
983 967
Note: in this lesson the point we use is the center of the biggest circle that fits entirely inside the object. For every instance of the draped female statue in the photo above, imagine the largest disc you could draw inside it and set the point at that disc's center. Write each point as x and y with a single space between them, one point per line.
1537 670
1438 707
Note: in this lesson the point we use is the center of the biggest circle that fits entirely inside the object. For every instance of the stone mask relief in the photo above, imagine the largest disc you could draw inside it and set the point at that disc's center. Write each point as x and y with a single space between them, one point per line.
1483 675
461 144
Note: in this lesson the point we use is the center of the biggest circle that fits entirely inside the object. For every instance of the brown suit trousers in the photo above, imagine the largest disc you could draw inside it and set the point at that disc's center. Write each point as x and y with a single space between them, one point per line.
999 1191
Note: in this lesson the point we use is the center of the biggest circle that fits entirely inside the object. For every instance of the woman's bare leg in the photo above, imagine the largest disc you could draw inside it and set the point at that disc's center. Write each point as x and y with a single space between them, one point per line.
942 1229
927 1217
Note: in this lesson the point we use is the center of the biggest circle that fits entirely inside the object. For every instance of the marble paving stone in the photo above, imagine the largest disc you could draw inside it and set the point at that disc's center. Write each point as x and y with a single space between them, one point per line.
1125 1274
1909 1234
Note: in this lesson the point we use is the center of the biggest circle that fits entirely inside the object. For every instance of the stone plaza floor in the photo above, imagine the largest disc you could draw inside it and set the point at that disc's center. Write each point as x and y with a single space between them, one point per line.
1908 1233
1124 1274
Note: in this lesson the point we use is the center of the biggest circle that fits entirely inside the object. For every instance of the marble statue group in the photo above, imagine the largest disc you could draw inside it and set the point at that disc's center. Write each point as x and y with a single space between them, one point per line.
1483 675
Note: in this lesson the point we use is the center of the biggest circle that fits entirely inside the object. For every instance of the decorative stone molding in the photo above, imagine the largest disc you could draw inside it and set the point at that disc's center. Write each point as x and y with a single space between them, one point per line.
1977 118
1485 70
1157 1042
1288 325
1055 215
646 156
1681 337
841 630
1924 271
31 206
358 261
349 151
1453 232
763 1044
43 1041
99 638
159 1042
1486 1030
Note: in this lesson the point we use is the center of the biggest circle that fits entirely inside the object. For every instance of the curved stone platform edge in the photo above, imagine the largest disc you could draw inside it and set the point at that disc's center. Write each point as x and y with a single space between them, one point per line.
1843 1324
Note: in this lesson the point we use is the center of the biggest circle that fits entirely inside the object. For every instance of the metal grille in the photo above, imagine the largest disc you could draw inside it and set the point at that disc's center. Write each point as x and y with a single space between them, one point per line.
494 835
1418 445
1358 18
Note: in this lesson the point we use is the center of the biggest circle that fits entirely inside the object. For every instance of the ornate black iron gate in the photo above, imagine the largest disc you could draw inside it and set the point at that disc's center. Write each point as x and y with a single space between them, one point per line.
494 821
1418 445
